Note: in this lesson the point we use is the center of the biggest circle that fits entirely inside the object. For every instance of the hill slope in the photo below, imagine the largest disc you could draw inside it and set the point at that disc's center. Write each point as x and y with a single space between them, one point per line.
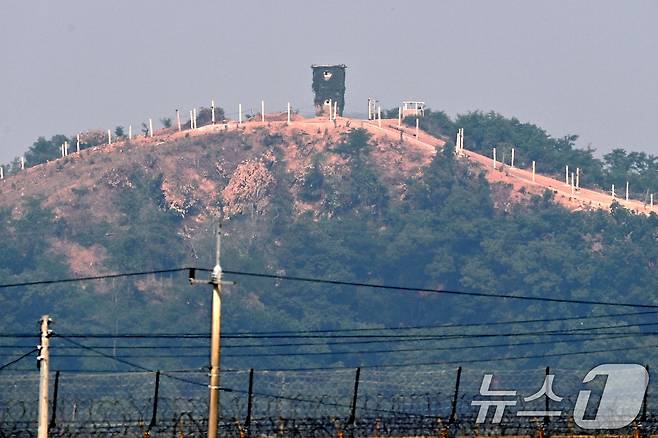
310 199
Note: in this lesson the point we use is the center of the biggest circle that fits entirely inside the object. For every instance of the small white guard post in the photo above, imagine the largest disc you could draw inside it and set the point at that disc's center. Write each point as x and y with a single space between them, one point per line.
109 136
512 162
399 117
262 111
417 127
494 158
178 120
151 128
77 144
130 132
533 170
212 111
288 112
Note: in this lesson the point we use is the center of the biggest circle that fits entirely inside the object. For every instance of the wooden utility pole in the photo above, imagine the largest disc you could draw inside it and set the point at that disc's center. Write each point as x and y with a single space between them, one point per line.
215 336
44 362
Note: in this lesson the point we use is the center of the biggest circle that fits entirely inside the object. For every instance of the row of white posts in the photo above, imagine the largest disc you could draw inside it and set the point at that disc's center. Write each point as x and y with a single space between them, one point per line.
64 148
570 179
2 169
333 110
459 148
194 119
371 116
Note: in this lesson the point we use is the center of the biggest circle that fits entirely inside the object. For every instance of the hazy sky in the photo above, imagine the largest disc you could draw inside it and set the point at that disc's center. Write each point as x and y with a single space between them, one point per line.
583 67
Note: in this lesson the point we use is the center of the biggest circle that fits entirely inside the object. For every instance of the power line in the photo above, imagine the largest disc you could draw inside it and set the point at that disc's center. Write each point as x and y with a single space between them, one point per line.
375 338
397 328
466 361
91 278
428 290
402 365
129 363
336 283
451 325
356 352
8 364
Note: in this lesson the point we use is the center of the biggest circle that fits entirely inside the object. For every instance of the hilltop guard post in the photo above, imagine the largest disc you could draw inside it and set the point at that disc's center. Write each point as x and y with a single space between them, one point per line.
329 88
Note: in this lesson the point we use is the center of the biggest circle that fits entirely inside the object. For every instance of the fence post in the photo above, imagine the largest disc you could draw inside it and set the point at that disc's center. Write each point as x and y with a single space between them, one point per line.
250 394
546 418
53 415
453 411
154 416
352 420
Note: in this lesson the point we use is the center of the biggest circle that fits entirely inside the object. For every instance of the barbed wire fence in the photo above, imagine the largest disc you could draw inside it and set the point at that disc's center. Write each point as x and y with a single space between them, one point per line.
333 402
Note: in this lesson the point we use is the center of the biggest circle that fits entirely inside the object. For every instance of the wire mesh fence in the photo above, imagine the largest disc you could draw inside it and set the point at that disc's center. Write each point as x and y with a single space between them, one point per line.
370 402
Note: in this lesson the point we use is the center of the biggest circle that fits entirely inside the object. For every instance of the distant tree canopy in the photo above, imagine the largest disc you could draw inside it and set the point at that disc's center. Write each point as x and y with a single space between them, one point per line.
485 131
44 150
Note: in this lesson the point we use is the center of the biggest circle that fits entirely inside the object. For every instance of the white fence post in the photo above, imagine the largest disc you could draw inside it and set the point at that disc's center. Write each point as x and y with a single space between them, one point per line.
212 111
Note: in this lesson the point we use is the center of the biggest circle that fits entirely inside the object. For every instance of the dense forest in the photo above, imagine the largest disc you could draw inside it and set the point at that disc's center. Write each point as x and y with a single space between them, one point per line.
445 233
